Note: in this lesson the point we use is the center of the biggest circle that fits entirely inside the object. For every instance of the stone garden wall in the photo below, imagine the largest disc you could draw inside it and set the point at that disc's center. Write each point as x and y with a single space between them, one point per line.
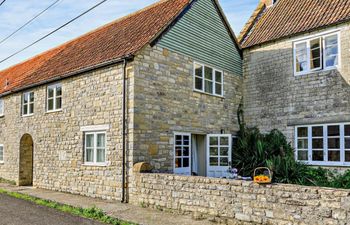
242 202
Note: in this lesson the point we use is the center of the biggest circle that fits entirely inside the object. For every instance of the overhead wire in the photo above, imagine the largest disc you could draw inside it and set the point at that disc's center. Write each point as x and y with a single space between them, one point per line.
52 32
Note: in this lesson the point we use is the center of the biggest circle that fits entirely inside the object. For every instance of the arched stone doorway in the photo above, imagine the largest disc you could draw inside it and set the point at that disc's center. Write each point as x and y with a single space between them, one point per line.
26 161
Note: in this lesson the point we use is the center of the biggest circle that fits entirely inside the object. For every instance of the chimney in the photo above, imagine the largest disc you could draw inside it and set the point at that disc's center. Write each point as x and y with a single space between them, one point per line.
268 3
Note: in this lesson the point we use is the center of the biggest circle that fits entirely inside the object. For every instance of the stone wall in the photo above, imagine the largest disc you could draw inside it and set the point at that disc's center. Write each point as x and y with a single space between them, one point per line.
165 102
275 98
242 202
93 98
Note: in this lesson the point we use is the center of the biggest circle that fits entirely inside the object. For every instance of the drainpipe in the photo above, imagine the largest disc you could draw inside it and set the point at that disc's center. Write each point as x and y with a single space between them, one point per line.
124 133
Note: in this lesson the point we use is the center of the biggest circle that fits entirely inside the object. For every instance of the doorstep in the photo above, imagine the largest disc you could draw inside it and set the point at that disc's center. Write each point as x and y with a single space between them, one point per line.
126 212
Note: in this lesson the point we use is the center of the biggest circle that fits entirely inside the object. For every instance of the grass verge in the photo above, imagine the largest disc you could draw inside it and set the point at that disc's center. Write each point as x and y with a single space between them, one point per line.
90 213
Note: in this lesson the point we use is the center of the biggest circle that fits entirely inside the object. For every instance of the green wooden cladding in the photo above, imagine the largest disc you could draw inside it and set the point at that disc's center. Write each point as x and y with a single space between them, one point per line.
201 34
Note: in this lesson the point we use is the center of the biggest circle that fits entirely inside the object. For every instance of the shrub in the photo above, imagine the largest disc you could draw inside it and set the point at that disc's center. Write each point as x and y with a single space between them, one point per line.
254 149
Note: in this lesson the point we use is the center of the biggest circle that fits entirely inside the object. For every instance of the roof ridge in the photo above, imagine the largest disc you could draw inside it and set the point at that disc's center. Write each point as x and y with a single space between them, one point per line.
87 33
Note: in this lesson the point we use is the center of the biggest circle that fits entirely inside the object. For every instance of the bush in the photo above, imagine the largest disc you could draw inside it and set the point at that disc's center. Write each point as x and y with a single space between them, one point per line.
254 149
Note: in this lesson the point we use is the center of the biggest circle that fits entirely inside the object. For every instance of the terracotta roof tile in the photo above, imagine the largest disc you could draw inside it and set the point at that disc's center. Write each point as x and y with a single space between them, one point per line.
122 37
291 17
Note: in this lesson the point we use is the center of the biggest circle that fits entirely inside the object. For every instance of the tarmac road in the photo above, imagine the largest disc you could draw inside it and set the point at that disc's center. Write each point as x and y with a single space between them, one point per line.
20 212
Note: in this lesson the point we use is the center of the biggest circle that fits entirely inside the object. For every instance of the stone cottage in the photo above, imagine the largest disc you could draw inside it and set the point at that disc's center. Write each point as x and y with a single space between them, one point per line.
161 85
296 76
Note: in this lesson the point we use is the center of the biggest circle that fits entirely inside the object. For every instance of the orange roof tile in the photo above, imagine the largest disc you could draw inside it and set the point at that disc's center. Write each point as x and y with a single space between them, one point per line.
291 17
118 39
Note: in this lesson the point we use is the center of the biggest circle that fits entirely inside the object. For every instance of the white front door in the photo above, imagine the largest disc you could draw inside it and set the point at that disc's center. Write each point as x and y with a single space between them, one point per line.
182 153
218 154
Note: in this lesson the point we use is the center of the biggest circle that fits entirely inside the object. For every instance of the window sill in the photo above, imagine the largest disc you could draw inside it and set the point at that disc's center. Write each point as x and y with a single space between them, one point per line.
54 111
95 164
205 93
327 164
316 71
30 115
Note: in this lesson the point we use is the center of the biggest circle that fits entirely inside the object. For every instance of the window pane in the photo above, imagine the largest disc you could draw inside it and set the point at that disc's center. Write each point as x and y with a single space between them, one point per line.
31 108
208 73
25 110
58 90
178 163
315 53
224 161
186 151
50 92
347 156
218 89
178 151
347 143
302 155
334 156
333 130
198 83
208 87
50 104
186 140
317 155
198 70
89 155
100 155
25 98
31 97
302 144
347 130
213 161
333 143
223 140
213 141
58 103
89 140
301 57
218 76
331 50
223 151
302 131
186 162
101 140
317 143
214 151
317 131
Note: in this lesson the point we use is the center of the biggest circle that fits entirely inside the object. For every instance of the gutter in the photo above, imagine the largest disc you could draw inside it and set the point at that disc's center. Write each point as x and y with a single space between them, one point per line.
124 182
70 74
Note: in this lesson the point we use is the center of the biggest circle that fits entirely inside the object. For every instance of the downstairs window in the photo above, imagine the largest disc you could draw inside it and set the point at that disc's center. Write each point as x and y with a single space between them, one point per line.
327 144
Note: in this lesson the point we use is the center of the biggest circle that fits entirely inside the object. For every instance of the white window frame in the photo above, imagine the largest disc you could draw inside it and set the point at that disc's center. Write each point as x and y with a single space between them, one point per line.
325 162
28 103
3 158
307 40
183 170
2 108
54 86
203 80
95 163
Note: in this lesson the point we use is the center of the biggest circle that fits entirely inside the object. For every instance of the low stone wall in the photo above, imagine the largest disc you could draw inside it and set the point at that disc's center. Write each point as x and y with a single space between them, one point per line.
242 202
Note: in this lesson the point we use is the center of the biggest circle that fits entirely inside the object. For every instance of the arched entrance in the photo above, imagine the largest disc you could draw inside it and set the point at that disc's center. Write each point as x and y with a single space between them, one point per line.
26 161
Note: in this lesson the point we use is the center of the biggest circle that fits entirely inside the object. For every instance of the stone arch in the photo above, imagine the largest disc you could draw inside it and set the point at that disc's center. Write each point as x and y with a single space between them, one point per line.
26 160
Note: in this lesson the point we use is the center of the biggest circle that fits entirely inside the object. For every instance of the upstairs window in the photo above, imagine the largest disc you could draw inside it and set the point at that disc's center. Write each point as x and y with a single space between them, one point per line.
28 104
54 97
2 107
319 53
208 80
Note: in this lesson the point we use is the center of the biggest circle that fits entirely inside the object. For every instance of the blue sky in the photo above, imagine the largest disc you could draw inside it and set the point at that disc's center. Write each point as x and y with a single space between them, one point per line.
14 13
